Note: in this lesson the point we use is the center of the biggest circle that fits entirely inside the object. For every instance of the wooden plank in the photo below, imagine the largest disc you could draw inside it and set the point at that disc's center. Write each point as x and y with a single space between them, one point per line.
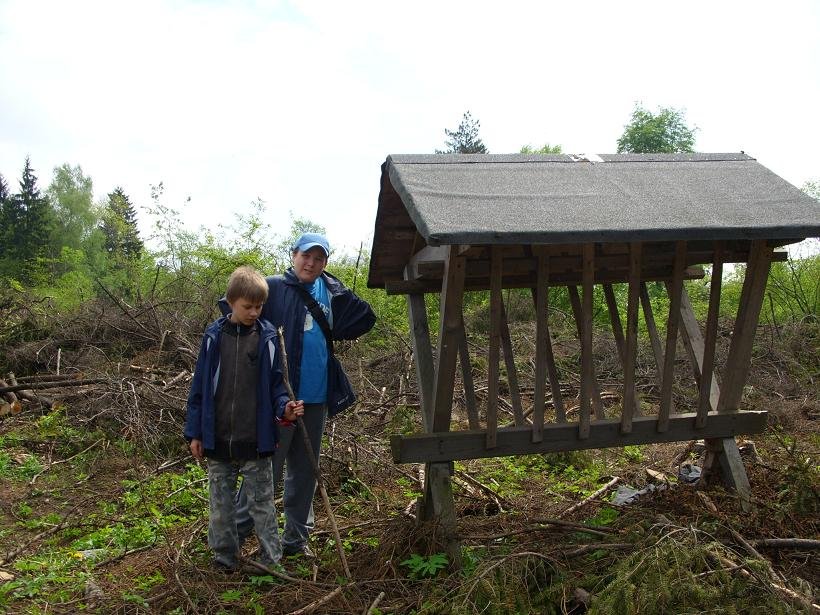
512 370
542 343
403 287
494 349
707 376
423 356
452 297
575 302
740 350
667 379
632 403
467 379
427 255
512 440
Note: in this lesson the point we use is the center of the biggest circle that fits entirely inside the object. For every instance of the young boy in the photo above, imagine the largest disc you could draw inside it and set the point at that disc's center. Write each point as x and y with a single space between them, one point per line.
237 394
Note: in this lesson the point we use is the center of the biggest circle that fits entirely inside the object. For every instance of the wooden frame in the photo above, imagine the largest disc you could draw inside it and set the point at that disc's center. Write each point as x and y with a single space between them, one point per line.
717 418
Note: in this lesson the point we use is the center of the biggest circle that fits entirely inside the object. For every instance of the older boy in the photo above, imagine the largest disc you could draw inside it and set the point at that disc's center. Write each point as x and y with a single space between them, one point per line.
236 396
316 374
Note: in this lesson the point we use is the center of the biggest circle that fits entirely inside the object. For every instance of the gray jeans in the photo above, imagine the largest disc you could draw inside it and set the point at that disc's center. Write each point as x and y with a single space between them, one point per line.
300 481
257 485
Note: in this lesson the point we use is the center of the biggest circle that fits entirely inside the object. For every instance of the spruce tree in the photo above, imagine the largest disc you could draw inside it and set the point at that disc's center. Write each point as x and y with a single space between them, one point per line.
4 226
31 225
122 238
465 139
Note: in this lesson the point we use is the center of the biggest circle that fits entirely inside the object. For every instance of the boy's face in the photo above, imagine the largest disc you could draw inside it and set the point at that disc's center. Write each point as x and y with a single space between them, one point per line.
309 265
245 311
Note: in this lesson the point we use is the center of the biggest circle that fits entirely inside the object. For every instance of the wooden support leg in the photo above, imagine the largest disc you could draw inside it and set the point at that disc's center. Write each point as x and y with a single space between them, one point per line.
723 453
438 506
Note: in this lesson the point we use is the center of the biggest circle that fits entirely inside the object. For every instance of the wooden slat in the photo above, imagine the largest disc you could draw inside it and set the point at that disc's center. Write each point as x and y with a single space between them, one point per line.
467 379
740 350
495 346
423 355
452 296
542 343
631 399
706 395
512 370
667 380
403 287
575 302
587 365
654 337
552 369
512 440
618 334
695 348
614 319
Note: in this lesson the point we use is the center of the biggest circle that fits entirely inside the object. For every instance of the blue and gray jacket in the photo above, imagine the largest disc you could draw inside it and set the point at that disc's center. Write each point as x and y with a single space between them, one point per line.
271 395
352 317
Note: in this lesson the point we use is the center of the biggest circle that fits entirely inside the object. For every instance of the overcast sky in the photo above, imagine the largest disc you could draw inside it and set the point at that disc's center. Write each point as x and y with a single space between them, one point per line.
299 103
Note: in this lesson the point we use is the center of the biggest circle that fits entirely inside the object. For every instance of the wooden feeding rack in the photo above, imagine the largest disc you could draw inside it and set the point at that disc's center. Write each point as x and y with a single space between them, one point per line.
450 224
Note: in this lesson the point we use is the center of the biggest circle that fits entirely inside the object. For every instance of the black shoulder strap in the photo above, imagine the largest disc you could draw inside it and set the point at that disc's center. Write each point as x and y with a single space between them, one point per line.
318 315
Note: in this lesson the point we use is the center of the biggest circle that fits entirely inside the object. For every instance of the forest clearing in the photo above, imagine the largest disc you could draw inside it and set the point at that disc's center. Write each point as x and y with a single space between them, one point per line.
105 511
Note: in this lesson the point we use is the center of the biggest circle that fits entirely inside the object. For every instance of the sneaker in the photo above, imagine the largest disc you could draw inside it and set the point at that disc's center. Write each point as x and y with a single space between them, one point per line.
302 550
222 567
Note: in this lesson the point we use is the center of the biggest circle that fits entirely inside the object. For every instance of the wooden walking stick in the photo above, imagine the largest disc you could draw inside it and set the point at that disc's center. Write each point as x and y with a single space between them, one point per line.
314 462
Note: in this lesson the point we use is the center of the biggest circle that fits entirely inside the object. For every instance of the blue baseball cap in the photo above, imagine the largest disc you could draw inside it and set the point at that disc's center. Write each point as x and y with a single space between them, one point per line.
307 241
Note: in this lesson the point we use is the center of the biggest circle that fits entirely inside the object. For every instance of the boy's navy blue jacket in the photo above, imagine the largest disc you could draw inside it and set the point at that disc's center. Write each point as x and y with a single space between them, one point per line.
271 396
352 317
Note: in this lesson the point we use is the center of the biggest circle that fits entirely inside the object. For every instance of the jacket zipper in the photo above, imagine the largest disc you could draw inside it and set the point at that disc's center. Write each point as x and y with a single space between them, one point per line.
233 397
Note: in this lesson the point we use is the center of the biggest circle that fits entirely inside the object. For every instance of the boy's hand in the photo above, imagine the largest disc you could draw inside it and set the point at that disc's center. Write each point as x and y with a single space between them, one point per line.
293 410
197 450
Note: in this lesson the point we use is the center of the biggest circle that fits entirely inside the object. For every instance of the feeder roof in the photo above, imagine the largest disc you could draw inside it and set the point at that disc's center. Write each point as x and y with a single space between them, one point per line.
432 200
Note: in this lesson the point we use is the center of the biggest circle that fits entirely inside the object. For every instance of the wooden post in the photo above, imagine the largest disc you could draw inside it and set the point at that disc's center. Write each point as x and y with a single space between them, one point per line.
723 452
630 353
438 495
667 379
495 345
438 506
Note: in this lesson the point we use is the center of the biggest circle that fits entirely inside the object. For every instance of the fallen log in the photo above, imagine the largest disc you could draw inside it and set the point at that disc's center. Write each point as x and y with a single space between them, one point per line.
30 386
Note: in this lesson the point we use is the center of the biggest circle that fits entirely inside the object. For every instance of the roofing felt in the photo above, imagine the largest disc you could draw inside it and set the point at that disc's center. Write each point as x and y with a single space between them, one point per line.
562 199
526 199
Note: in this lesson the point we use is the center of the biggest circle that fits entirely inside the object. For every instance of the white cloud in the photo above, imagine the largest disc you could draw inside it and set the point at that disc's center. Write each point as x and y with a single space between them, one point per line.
300 102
